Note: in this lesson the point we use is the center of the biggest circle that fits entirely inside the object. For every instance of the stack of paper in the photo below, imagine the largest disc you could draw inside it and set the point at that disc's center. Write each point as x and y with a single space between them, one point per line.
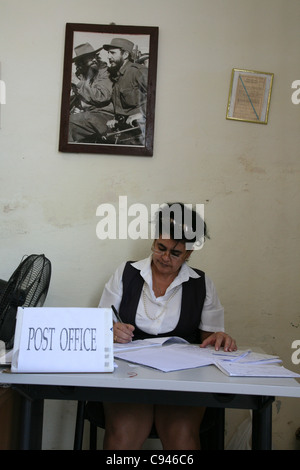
148 343
238 369
172 353
255 365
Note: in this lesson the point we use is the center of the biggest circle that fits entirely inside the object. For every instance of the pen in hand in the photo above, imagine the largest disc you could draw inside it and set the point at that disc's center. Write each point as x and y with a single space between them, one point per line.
123 333
116 313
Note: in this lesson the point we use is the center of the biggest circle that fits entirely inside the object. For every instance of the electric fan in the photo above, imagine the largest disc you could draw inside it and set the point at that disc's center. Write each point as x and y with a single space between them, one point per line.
28 287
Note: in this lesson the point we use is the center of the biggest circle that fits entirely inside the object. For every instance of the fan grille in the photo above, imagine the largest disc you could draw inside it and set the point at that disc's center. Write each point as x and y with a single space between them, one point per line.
28 287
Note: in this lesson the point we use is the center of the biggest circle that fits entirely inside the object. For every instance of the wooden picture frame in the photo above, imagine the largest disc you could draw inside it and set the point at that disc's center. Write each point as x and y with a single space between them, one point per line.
104 109
249 96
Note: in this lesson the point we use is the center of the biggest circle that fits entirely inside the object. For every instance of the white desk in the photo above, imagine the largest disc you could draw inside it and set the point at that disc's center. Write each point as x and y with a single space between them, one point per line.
205 386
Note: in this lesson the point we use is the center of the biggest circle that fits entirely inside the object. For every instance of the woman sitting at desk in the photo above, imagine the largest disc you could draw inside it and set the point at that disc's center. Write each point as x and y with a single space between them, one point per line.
162 296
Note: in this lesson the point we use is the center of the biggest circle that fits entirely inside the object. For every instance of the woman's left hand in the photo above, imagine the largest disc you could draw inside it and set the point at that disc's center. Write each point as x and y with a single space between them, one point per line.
218 340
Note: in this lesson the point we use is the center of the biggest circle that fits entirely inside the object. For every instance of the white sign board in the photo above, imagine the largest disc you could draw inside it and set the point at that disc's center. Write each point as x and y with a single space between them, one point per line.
63 340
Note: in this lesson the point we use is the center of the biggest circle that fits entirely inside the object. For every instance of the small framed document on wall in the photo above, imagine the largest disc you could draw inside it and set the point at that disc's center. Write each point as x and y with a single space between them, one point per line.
249 96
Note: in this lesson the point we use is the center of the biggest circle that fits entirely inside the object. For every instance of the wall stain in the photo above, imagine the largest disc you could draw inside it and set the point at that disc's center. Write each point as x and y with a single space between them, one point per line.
13 205
278 405
249 167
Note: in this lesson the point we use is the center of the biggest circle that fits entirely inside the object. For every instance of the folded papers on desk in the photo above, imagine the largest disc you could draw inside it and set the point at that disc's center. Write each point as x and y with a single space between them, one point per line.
173 353
238 369
148 343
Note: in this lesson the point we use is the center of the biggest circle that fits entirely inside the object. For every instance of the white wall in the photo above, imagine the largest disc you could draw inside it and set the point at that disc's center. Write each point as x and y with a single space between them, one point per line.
247 175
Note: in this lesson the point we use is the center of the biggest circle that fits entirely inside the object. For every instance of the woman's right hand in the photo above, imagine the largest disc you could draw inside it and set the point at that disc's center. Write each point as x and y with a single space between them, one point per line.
123 332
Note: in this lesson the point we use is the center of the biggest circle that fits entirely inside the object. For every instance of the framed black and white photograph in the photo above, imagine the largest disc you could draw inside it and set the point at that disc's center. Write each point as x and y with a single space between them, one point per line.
108 90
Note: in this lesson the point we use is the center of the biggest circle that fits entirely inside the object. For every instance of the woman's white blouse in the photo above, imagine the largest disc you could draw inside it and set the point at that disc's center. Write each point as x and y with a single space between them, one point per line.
165 310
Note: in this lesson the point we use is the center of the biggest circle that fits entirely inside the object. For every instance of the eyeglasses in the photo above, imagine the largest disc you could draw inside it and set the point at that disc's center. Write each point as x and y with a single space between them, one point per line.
161 250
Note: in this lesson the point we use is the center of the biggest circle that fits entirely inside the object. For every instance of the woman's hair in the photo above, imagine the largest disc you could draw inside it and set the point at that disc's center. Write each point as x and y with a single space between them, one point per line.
180 222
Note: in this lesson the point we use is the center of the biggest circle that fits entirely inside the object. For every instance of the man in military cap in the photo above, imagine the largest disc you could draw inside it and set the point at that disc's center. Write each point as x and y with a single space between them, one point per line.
129 95
91 103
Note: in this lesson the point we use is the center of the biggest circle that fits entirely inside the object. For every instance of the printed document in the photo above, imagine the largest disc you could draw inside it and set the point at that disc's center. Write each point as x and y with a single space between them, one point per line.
171 354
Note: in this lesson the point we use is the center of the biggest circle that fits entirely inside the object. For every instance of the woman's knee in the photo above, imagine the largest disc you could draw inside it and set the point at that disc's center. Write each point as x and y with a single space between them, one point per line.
179 427
128 426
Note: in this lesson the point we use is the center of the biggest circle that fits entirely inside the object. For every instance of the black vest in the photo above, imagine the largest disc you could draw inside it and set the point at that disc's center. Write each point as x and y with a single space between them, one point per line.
193 296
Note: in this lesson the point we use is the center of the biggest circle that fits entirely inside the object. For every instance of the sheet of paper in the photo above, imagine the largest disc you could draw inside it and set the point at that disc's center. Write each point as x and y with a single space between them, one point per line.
169 358
259 358
148 343
138 344
231 355
249 97
172 357
235 369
